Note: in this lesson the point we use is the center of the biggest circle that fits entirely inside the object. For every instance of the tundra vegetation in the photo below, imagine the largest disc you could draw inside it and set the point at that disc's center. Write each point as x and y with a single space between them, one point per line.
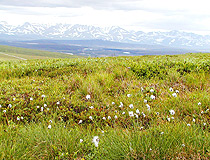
143 107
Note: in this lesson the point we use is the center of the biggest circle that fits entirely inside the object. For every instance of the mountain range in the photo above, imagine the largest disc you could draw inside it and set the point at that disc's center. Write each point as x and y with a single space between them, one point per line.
29 31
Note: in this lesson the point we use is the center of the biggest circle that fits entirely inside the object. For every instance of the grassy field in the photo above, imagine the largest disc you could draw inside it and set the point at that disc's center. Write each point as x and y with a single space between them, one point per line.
28 54
146 107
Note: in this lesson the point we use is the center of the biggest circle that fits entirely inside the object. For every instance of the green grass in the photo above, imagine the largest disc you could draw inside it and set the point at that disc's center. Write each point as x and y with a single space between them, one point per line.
29 53
154 134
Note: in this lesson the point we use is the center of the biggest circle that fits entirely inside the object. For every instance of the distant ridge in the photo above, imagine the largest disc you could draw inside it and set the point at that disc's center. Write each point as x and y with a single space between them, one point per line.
29 31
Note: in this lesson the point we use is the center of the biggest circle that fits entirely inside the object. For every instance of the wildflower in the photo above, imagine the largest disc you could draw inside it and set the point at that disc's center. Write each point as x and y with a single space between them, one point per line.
172 112
162 133
177 91
145 101
31 99
115 116
142 89
169 119
91 107
121 105
199 103
157 113
102 131
13 99
174 95
45 105
136 115
58 103
207 110
81 140
48 109
183 145
4 111
171 89
172 118
80 121
49 127
141 128
115 111
148 107
137 111
42 109
50 121
104 118
91 118
151 90
123 112
150 149
109 117
204 124
10 106
130 113
88 97
96 140
37 107
202 112
131 106
18 118
128 95
113 103
193 120
21 117
43 96
188 124
0 106
143 114
152 97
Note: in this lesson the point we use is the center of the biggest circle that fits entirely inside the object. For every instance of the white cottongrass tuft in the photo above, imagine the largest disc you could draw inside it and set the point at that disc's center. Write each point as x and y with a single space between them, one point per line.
172 112
174 95
131 106
152 97
88 97
96 140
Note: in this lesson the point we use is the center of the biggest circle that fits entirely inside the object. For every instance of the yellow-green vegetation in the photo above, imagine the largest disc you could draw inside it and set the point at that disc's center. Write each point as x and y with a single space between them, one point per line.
12 53
146 107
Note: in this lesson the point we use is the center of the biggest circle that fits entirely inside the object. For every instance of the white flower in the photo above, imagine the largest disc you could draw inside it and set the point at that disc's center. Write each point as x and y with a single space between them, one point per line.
91 118
113 103
121 104
115 116
172 118
172 112
109 117
13 99
141 128
128 95
10 106
45 105
143 114
88 96
49 127
123 112
183 145
102 131
202 112
193 120
188 125
4 111
131 106
31 99
142 89
18 118
91 107
151 90
207 110
48 109
136 115
157 113
199 103
64 98
96 140
50 121
21 118
176 91
115 111
171 89
137 111
37 106
162 133
152 97
81 140
58 103
130 113
145 101
204 124
43 96
169 119
42 109
80 121
104 118
0 106
174 95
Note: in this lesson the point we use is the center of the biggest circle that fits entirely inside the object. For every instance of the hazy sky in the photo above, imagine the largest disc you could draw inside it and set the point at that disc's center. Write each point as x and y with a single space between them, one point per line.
146 15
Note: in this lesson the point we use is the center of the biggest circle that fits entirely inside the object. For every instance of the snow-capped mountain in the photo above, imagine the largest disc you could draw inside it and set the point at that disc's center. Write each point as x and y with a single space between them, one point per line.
29 31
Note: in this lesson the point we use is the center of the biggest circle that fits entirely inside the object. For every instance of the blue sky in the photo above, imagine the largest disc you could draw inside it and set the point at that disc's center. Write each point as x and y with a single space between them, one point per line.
146 15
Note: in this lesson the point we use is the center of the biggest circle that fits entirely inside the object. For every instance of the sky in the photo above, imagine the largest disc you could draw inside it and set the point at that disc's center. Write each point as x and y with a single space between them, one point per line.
141 15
